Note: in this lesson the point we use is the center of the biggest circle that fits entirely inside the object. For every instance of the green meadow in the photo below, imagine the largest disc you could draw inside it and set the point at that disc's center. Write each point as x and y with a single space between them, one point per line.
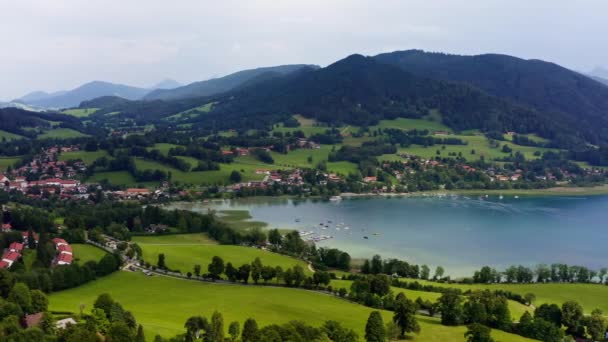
88 157
80 112
8 161
61 133
183 255
8 136
83 253
590 296
114 177
163 304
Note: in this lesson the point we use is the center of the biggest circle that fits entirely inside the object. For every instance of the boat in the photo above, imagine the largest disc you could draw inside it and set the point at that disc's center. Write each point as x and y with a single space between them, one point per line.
500 197
365 237
335 198
516 197
297 220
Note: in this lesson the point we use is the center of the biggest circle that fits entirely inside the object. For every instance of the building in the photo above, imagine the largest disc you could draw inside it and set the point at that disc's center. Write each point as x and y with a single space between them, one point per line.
16 247
65 249
6 227
59 242
64 323
10 257
64 259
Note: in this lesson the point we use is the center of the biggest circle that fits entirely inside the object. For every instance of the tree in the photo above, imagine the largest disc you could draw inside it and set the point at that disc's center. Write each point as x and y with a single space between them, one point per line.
550 313
250 329
337 333
256 270
161 261
20 295
119 332
596 325
235 176
425 272
194 325
268 272
39 301
438 272
140 337
231 272
572 318
478 333
243 273
275 237
215 333
216 267
405 315
197 270
366 268
529 298
234 330
374 329
105 303
376 265
450 307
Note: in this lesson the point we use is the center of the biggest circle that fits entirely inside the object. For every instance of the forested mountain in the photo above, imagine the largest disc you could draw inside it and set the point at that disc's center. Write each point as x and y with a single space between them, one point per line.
600 79
544 86
360 91
85 92
17 121
219 85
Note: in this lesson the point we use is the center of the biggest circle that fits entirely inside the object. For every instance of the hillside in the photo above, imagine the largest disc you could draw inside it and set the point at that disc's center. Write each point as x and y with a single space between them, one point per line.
19 121
361 91
219 85
545 86
91 90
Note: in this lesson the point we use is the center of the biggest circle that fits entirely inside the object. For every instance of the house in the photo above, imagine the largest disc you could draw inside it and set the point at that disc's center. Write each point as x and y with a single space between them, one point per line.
4 264
6 227
64 259
64 323
16 247
136 192
10 257
59 242
3 178
370 179
33 320
65 249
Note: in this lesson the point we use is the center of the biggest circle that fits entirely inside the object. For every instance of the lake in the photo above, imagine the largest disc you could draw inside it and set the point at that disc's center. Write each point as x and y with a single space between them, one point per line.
459 233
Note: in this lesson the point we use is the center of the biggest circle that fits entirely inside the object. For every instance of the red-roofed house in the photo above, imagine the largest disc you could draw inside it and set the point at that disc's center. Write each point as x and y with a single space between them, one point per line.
6 227
370 179
64 259
67 249
10 257
4 264
59 242
135 191
3 179
16 247
32 320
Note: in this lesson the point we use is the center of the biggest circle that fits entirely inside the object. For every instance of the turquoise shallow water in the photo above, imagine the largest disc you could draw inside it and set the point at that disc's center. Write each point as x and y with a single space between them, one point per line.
460 233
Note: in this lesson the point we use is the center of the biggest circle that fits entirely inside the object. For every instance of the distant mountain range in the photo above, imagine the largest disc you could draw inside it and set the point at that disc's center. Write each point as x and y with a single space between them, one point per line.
221 84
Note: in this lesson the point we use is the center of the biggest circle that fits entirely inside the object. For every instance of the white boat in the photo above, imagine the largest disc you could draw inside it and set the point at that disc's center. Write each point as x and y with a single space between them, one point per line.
335 198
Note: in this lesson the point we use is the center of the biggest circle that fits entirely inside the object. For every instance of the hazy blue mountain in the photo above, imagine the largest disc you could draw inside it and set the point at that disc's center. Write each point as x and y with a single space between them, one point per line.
600 79
91 90
39 95
600 72
167 83
219 85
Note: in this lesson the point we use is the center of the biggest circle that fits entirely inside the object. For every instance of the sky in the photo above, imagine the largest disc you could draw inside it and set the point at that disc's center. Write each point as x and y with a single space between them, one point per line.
60 44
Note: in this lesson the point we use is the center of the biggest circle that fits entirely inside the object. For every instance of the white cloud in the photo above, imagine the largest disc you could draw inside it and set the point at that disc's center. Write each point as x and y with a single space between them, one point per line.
58 44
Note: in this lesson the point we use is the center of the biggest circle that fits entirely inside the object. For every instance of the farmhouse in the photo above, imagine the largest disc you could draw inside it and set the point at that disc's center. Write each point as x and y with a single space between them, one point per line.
10 257
16 247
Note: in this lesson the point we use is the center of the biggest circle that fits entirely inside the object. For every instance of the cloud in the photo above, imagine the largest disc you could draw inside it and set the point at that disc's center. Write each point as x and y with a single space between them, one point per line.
59 44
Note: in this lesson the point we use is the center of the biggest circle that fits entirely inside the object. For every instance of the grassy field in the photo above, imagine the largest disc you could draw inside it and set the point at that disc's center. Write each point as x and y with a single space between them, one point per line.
7 136
410 124
80 112
84 253
307 126
517 309
163 304
114 177
240 219
8 161
163 148
480 144
191 112
184 252
300 159
88 157
61 133
590 296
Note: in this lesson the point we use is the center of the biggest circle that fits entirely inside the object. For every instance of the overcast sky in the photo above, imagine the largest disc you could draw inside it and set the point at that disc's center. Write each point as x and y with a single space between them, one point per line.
60 44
